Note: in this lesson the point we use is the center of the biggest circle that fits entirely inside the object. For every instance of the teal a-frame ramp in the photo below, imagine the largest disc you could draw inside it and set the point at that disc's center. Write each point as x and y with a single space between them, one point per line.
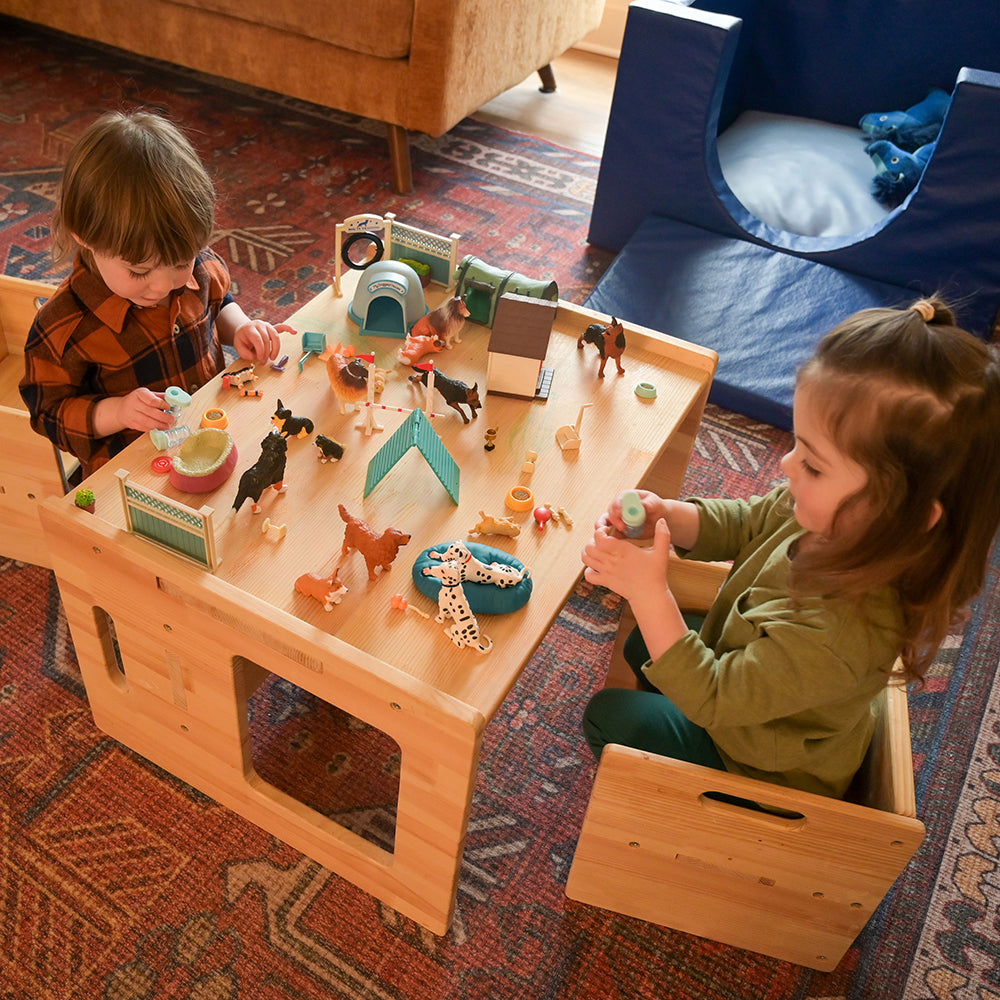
415 432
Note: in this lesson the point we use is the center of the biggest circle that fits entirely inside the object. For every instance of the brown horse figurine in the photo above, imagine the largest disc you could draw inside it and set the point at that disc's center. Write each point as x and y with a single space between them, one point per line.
610 341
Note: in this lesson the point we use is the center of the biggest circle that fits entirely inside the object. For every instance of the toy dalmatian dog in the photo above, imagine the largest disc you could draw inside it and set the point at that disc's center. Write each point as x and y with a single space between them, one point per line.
476 571
453 604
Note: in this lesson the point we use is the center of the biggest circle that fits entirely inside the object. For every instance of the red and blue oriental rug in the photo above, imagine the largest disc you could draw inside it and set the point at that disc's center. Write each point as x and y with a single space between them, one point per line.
119 882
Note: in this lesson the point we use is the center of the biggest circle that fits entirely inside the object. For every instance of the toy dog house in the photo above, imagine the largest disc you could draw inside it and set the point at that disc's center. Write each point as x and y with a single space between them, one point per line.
388 300
480 286
699 261
518 343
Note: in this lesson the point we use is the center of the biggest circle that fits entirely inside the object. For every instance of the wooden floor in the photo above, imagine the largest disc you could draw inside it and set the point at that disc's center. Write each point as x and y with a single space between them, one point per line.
575 116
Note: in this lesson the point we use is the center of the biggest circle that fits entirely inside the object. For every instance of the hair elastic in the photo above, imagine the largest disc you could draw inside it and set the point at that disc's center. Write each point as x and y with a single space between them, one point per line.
925 309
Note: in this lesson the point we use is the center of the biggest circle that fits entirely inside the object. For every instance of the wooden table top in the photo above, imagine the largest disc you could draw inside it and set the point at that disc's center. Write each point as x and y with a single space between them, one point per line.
623 437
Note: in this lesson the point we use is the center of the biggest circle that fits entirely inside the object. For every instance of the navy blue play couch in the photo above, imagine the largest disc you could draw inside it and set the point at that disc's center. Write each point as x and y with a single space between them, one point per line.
694 262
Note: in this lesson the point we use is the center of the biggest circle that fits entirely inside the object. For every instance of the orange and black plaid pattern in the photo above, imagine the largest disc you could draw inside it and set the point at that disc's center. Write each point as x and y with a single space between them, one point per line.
87 343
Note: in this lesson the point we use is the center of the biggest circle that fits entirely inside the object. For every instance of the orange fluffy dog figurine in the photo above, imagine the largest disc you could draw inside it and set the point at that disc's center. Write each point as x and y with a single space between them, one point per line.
349 376
378 550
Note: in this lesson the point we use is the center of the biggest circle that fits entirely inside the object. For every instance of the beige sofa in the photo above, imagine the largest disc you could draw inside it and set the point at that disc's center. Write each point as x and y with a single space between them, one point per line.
417 65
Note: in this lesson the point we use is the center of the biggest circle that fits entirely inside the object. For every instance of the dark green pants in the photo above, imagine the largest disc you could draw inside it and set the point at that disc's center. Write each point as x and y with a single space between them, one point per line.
646 719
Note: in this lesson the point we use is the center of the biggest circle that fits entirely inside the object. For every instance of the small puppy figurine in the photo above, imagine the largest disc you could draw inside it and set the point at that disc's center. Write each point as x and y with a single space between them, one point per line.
329 450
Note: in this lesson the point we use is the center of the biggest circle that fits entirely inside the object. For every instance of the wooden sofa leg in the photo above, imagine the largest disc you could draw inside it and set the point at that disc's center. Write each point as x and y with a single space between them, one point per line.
399 157
548 79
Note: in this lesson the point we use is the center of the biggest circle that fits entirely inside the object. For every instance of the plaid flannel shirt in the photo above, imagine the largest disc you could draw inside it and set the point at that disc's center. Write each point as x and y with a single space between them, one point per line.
87 343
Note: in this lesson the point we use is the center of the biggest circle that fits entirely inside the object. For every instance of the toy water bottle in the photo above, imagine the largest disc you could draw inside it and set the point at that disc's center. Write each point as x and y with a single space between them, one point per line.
178 399
170 438
633 514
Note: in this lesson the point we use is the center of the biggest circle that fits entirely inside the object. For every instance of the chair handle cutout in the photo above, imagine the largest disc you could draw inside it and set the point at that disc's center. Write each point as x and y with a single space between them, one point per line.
748 809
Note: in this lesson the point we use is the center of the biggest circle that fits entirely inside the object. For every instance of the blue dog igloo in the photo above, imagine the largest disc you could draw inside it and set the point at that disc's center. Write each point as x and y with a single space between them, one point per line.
388 300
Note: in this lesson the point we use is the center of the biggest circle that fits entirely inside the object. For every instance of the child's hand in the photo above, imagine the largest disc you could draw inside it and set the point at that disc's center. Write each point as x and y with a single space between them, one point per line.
627 569
259 341
142 410
612 518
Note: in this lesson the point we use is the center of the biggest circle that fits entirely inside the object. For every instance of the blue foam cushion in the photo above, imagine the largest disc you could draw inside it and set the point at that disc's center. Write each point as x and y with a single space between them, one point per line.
763 311
483 598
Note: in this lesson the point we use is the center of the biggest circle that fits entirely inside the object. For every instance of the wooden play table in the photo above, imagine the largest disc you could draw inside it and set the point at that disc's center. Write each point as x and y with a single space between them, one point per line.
170 652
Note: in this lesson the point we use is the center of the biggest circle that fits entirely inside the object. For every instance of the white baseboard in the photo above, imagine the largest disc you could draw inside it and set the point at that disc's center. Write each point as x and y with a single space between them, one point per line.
606 38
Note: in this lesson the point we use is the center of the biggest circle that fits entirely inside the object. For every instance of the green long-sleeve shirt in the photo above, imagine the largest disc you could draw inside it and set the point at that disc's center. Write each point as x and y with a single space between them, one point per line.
783 686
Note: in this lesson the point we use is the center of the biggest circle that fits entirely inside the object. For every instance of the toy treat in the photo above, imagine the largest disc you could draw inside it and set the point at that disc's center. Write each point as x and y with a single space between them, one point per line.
268 470
495 581
328 590
910 129
444 323
288 425
609 340
453 604
378 549
206 460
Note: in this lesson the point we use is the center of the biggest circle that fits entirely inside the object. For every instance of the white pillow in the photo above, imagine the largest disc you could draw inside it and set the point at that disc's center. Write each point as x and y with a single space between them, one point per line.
800 175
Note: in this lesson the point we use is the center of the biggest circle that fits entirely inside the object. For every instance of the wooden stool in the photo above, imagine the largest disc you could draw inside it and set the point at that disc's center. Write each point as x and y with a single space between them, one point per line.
31 468
658 844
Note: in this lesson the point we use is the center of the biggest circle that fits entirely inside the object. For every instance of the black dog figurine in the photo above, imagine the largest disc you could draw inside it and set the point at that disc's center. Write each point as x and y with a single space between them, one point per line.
453 391
269 470
288 424
329 450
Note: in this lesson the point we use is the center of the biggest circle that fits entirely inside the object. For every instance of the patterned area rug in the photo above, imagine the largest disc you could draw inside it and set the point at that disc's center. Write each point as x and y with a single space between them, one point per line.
287 172
119 882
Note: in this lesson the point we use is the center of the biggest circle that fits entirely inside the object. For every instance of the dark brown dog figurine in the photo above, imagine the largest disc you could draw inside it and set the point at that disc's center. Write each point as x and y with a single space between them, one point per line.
609 340
378 550
453 391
